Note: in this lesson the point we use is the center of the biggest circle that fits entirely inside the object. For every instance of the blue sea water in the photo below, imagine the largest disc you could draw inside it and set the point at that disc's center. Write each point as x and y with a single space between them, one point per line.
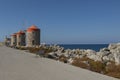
95 47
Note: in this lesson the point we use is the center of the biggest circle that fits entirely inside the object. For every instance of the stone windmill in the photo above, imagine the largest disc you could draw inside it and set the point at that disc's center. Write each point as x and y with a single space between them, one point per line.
20 38
32 36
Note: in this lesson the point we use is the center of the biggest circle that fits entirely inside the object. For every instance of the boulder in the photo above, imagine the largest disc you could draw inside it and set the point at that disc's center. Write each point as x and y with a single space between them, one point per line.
111 57
52 55
95 57
90 52
103 53
105 58
113 46
117 58
70 61
112 53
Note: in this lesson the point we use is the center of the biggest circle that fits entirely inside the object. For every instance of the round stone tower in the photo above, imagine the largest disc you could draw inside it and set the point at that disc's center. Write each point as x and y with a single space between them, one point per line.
32 36
7 41
13 40
20 38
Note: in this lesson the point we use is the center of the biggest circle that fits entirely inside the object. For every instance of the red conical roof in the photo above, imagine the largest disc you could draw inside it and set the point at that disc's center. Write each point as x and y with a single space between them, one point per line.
32 28
14 34
21 32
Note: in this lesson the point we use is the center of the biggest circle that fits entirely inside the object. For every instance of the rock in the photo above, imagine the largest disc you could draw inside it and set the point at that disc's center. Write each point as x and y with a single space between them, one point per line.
95 57
90 52
82 55
115 52
105 58
59 53
77 56
104 49
103 53
117 58
111 57
66 55
52 55
70 61
114 46
108 63
78 51
112 53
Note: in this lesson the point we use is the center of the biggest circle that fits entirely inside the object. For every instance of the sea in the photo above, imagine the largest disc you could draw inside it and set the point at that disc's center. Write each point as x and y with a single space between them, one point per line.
95 47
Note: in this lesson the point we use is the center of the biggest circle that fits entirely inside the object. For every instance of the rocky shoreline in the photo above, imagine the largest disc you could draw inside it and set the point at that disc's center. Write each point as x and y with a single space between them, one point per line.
107 55
105 61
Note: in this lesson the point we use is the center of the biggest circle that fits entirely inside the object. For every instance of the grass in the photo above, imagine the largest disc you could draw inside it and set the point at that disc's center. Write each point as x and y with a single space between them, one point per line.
21 48
97 66
62 58
79 62
36 50
113 70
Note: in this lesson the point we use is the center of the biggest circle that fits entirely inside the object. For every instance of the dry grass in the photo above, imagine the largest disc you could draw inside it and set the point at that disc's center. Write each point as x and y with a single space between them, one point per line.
113 70
33 50
97 66
79 62
92 65
62 58
36 50
21 48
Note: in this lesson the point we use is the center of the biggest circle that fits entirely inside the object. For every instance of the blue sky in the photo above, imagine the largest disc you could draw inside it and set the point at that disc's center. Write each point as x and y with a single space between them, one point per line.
63 21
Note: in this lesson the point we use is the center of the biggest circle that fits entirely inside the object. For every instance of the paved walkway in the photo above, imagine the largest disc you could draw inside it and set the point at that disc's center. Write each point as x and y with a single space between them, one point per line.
20 65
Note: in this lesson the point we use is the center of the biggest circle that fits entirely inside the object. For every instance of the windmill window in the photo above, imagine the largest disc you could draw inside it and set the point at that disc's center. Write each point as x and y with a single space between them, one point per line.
33 42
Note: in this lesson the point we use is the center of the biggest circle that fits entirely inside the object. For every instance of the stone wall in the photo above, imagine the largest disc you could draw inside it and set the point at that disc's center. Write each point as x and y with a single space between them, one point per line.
13 41
21 40
33 38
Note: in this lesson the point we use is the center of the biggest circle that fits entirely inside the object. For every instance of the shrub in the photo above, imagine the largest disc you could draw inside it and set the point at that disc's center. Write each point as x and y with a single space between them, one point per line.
33 50
46 50
87 63
21 48
62 58
113 70
97 66
79 63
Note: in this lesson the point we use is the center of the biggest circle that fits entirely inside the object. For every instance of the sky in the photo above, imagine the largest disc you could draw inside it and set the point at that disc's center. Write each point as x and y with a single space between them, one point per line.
63 21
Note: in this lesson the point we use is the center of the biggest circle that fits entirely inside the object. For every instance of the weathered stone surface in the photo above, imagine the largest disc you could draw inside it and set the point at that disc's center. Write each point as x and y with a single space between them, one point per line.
114 46
112 53
90 52
95 57
70 61
117 58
